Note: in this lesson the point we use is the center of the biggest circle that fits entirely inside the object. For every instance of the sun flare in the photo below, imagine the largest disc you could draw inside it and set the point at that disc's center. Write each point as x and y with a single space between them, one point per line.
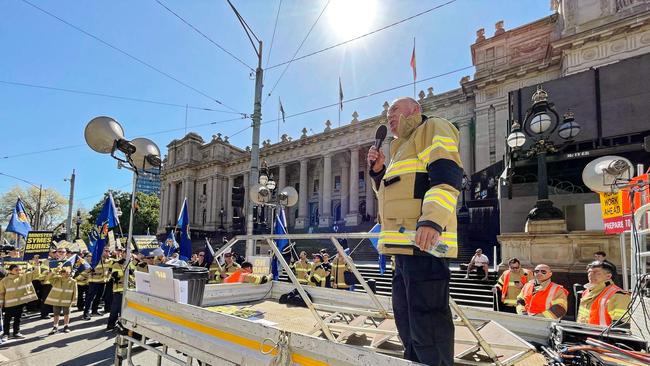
350 18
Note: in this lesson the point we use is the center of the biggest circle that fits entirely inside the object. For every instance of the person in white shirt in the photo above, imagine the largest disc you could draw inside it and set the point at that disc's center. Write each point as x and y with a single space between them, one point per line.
479 260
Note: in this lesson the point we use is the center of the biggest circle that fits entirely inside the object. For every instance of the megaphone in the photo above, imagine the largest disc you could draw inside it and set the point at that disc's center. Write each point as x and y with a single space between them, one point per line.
607 173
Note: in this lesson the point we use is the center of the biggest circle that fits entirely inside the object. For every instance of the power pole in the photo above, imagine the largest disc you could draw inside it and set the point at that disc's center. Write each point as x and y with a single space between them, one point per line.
257 121
38 207
68 224
255 148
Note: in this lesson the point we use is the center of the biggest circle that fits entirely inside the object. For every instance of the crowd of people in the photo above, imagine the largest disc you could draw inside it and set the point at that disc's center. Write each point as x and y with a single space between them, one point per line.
533 293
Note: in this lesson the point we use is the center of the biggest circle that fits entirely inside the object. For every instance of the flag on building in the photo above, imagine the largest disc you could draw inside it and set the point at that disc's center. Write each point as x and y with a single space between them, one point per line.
415 72
186 240
340 94
19 223
280 228
281 109
375 244
209 253
106 220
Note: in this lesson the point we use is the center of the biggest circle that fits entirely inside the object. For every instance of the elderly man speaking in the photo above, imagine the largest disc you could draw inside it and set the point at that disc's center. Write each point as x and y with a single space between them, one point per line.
417 194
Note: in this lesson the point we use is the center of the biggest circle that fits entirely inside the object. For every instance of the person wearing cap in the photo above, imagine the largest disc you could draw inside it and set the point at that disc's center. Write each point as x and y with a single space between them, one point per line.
301 268
229 267
16 290
542 297
318 274
602 302
62 295
158 256
510 284
118 268
601 256
97 279
327 266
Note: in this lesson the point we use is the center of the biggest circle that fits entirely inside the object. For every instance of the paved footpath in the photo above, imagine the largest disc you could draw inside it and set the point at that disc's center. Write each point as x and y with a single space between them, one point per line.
88 343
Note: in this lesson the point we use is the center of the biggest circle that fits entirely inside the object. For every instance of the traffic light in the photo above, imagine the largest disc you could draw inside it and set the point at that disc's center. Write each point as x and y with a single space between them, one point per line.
238 196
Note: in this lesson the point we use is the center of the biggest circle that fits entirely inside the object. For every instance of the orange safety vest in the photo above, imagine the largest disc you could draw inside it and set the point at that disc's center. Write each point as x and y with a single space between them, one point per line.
235 277
540 301
506 283
599 314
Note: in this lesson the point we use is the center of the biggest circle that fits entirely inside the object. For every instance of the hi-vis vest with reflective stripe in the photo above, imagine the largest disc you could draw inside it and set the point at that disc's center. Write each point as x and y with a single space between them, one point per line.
407 195
541 301
604 308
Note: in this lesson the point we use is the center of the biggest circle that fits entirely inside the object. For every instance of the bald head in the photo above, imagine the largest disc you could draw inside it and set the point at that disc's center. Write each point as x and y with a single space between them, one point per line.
542 272
403 107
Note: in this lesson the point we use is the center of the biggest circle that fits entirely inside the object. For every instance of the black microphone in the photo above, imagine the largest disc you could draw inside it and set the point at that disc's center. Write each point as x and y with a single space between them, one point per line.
380 135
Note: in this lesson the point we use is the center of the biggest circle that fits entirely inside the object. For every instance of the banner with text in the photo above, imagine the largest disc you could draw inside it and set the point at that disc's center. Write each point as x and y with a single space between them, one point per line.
146 243
38 242
261 264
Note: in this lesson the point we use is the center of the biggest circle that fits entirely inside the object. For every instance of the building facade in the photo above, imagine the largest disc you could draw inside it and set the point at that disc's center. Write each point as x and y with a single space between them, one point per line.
328 168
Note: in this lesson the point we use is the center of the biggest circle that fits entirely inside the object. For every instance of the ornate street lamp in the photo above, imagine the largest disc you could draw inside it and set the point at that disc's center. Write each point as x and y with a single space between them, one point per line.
540 123
106 136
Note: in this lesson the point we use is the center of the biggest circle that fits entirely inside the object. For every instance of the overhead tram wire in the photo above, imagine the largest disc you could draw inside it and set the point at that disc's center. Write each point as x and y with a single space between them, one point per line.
409 84
104 95
20 179
297 50
205 36
275 27
150 66
363 35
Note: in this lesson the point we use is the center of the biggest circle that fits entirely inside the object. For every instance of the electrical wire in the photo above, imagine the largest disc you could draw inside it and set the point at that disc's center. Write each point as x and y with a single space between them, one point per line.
277 16
129 55
297 50
113 96
20 179
204 35
363 35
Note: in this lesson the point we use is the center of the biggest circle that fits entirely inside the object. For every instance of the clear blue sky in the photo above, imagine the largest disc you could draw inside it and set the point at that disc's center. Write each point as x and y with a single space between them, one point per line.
38 49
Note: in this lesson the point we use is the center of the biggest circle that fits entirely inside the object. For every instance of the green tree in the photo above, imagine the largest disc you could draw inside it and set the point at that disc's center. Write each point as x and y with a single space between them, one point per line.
52 211
146 216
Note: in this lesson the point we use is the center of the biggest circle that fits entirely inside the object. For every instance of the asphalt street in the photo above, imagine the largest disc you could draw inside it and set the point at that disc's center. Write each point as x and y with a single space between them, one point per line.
88 343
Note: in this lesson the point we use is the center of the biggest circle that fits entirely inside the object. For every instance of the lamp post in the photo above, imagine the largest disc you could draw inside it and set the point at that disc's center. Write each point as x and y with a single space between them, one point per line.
541 122
463 212
106 136
221 211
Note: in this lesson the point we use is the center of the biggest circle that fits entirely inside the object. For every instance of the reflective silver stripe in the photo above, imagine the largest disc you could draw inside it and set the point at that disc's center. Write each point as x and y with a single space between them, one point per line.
11 289
551 295
67 291
602 304
11 300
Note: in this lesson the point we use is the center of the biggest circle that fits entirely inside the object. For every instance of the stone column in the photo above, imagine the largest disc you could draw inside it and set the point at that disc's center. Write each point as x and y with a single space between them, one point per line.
326 213
345 188
162 215
231 183
282 176
353 219
466 146
303 195
172 209
370 195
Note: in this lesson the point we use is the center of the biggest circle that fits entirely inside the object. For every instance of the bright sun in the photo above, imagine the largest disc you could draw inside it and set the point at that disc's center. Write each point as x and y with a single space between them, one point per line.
350 18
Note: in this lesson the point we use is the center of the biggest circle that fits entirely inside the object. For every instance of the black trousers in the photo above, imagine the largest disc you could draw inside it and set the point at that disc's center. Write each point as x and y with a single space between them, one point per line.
116 309
36 304
94 296
12 312
108 296
421 308
45 308
82 291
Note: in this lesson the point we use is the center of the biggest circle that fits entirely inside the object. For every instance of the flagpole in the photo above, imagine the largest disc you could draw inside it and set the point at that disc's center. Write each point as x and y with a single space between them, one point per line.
414 77
279 107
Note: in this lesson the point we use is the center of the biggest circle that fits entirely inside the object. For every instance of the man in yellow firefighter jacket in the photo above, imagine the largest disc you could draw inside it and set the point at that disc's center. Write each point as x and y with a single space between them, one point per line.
417 194
97 279
117 275
510 284
339 267
301 268
229 267
602 301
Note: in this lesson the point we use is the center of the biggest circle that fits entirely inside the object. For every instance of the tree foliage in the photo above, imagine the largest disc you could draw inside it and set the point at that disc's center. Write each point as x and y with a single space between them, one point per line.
146 216
53 206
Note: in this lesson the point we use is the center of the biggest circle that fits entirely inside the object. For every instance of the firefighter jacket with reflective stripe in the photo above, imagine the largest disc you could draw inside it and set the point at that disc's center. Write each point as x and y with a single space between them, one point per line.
117 274
420 186
226 270
548 300
82 278
64 291
101 272
45 272
339 267
18 290
318 275
602 304
507 283
301 268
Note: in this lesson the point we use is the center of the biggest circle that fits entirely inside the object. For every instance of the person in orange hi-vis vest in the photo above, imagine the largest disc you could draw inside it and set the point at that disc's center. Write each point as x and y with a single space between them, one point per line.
245 275
510 284
542 297
602 301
